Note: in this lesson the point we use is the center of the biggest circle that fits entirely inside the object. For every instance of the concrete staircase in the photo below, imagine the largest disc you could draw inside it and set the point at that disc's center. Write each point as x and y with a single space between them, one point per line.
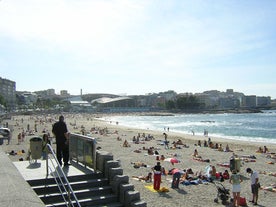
92 190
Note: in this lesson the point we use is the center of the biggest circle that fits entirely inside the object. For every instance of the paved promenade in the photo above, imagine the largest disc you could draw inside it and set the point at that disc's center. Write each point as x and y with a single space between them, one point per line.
37 170
14 189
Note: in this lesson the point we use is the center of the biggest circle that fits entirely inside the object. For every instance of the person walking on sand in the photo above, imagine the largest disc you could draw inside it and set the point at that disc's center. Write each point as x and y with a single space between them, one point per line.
62 145
235 180
19 138
166 142
255 185
157 176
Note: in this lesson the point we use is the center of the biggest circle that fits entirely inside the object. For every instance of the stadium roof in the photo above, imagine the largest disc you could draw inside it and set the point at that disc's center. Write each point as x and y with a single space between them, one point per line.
104 100
80 103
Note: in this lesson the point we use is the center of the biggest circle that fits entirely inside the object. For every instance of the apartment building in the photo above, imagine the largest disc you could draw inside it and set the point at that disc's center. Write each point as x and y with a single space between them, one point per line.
7 91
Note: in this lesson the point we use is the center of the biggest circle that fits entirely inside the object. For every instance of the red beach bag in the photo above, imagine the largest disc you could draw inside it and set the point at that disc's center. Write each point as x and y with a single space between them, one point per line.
243 201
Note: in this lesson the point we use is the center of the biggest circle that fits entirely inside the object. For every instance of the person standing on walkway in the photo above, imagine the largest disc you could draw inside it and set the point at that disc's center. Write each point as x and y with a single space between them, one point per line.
235 180
45 141
61 133
157 176
255 185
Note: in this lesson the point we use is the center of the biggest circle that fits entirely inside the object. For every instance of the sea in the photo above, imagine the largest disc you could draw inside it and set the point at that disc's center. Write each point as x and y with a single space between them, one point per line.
252 127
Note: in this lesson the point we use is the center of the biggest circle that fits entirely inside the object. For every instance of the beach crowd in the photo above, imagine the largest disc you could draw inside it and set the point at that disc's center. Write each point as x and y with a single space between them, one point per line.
167 168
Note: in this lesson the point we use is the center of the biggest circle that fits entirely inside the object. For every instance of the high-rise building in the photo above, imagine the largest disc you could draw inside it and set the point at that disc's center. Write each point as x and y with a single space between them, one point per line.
7 91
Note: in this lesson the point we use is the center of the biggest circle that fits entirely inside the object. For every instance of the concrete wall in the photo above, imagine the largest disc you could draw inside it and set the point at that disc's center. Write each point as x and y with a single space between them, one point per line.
14 190
120 183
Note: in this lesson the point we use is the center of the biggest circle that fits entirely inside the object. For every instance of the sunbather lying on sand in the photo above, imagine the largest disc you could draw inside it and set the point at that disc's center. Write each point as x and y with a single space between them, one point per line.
201 159
268 173
271 188
192 178
248 156
248 160
139 164
147 178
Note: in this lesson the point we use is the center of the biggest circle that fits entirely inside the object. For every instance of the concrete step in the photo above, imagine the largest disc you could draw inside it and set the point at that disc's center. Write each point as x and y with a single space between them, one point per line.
115 204
74 178
91 190
95 201
77 185
80 194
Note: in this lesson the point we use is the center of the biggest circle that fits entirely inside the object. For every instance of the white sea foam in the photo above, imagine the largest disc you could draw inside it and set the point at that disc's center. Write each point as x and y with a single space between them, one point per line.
259 127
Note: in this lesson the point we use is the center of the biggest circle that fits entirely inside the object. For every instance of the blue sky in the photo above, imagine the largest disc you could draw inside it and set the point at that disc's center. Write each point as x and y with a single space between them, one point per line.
136 47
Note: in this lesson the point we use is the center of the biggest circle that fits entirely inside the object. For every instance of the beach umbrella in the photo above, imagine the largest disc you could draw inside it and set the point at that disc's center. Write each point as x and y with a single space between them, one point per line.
172 160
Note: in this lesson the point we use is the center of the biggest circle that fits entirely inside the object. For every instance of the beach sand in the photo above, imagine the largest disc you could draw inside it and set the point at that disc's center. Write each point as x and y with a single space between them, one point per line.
190 195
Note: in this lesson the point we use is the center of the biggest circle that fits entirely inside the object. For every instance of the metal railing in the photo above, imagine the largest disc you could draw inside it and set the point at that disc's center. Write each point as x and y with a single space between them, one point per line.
82 149
63 184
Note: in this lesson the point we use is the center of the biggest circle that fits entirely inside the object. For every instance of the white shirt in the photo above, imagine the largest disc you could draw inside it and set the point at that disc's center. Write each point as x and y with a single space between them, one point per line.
253 177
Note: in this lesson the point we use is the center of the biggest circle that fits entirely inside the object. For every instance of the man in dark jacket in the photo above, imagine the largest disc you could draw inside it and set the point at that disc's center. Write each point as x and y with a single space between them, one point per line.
61 133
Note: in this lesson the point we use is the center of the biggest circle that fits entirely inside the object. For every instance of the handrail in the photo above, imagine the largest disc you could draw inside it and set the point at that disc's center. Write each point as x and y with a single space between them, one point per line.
62 178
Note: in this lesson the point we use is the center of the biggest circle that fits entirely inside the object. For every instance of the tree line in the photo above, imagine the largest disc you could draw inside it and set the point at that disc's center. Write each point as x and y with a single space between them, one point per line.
184 103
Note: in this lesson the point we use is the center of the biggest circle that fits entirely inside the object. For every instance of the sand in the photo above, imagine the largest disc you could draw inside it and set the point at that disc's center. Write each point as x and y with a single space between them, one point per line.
191 195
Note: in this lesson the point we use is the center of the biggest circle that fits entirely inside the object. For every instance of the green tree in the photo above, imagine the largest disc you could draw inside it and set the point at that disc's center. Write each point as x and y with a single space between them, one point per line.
170 104
187 102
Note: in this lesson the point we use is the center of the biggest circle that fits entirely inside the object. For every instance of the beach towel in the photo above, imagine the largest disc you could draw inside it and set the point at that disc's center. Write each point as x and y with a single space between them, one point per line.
161 190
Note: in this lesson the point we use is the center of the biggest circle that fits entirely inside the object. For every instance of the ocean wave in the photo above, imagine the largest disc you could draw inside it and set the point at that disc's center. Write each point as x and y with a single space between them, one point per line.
247 127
